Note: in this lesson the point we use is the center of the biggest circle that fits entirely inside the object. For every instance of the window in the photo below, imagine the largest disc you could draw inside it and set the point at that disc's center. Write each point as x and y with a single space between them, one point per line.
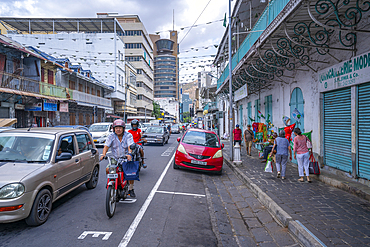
42 74
132 33
83 142
72 85
201 139
66 145
133 45
134 58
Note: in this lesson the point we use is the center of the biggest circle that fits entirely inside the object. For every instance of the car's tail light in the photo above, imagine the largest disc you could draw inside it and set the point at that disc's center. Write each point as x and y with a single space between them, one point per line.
218 154
181 149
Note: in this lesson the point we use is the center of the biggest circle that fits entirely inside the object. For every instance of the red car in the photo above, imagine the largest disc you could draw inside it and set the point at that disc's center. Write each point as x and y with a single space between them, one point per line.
199 149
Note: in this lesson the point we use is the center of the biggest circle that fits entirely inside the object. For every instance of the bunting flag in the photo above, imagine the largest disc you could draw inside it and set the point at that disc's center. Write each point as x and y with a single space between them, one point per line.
309 135
296 114
224 24
252 120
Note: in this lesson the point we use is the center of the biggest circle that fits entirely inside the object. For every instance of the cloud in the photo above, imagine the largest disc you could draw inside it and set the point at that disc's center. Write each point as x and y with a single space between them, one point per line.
157 15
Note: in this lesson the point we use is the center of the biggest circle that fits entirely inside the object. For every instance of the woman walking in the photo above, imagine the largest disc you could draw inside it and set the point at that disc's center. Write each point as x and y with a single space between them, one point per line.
300 148
282 152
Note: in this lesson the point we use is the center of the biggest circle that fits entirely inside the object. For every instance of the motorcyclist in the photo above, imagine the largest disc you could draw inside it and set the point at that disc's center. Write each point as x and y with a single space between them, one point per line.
120 142
137 135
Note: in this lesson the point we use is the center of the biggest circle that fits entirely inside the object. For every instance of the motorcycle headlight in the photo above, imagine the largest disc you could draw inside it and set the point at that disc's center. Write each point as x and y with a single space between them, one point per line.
11 191
218 154
181 149
112 169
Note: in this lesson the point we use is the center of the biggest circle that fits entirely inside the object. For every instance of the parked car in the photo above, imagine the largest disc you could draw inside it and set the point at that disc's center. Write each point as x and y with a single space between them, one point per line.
100 132
73 127
175 129
199 149
157 134
39 166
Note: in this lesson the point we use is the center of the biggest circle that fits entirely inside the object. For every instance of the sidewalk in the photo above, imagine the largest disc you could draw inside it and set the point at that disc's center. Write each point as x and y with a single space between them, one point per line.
317 213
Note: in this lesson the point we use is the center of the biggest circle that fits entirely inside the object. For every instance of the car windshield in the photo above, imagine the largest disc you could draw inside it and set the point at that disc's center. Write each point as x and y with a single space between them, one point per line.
99 128
201 139
157 130
25 148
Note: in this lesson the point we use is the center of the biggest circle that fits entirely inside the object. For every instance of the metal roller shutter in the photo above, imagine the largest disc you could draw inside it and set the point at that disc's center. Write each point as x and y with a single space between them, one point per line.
363 130
337 129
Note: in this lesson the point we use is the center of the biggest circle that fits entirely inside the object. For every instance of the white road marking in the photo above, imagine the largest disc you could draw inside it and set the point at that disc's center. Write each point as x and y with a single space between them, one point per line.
130 232
168 151
128 200
180 193
95 234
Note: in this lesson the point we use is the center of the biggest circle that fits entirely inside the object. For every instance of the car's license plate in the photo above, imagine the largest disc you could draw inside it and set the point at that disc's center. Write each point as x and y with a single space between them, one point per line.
199 162
114 175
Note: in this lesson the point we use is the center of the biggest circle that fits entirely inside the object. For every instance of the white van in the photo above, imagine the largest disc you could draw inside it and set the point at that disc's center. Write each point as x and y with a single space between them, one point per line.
100 131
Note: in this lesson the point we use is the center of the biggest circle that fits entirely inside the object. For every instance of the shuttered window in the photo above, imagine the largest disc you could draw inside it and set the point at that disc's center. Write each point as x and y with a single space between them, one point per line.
337 129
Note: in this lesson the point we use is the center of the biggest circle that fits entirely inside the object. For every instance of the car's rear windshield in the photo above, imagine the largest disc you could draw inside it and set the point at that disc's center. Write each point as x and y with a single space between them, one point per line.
25 148
99 128
201 139
158 130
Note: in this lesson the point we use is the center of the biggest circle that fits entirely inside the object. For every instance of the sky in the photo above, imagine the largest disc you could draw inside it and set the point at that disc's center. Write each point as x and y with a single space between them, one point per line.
157 16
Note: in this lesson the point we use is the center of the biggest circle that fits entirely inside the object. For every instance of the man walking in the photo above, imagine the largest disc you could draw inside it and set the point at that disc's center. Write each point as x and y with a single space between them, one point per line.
237 135
248 139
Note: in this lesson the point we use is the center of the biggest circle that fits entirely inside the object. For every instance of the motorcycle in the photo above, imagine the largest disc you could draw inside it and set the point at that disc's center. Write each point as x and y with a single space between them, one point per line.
117 186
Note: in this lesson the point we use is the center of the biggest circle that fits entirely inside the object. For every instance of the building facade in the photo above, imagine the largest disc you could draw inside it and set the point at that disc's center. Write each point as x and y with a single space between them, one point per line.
166 66
139 52
306 63
94 43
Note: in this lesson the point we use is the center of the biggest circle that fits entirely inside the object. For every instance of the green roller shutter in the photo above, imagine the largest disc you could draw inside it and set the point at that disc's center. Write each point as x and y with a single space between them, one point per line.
363 130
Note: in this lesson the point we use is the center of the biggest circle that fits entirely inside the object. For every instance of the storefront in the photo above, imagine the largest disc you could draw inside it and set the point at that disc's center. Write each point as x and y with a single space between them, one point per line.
346 112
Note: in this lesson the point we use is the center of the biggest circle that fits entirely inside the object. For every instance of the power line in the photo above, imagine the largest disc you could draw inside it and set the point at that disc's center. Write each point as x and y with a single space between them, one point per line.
195 21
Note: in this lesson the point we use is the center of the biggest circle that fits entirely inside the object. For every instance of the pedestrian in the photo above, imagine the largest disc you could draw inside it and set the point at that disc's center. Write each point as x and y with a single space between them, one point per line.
282 152
301 154
248 139
237 135
269 148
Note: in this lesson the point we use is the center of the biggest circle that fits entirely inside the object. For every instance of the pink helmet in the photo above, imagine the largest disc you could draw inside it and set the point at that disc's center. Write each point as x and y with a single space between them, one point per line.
119 123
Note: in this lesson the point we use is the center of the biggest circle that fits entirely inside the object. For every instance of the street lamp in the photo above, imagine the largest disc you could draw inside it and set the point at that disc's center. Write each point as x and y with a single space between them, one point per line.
145 114
124 111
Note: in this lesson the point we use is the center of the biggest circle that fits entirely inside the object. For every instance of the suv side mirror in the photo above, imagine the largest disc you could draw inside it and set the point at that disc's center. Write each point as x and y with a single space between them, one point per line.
93 151
64 156
222 145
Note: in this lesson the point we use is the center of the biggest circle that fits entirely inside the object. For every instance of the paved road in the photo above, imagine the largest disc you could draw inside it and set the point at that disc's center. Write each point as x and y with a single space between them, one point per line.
173 208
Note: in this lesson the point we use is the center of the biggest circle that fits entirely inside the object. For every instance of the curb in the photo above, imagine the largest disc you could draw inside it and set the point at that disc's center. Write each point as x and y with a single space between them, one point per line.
295 228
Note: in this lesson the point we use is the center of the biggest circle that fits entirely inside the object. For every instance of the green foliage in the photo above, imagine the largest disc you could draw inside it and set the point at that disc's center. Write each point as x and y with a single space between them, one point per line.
186 117
156 110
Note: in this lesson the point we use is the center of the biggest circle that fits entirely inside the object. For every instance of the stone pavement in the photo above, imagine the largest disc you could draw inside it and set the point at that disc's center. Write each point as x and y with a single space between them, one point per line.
316 213
239 219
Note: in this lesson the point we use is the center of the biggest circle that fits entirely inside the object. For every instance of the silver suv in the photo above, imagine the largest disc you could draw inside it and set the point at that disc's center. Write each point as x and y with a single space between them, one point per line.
38 166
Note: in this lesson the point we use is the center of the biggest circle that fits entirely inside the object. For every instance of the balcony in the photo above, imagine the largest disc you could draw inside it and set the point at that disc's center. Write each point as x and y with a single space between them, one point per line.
53 90
20 83
88 98
269 14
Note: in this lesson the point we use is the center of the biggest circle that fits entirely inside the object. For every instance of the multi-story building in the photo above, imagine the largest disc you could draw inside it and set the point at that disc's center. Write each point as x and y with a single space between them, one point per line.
39 90
139 50
166 66
94 43
307 61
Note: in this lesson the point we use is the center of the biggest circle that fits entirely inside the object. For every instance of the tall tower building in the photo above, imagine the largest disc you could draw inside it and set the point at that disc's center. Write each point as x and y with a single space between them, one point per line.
166 66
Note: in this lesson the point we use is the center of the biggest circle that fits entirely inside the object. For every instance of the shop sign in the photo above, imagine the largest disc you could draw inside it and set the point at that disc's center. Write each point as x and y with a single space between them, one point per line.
49 106
63 106
34 107
241 93
351 72
19 106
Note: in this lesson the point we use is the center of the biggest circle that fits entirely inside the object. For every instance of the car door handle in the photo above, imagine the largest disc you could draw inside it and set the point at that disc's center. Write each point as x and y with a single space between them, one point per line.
77 161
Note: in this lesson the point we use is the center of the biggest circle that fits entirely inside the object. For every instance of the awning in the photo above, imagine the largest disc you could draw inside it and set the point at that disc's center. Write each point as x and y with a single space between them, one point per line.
92 105
7 122
113 116
36 95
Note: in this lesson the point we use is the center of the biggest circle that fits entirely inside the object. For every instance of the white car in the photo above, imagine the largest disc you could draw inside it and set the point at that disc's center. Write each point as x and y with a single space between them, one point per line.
145 126
100 132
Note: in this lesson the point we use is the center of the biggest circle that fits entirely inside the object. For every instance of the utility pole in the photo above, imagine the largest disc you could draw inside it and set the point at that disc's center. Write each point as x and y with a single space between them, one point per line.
230 89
